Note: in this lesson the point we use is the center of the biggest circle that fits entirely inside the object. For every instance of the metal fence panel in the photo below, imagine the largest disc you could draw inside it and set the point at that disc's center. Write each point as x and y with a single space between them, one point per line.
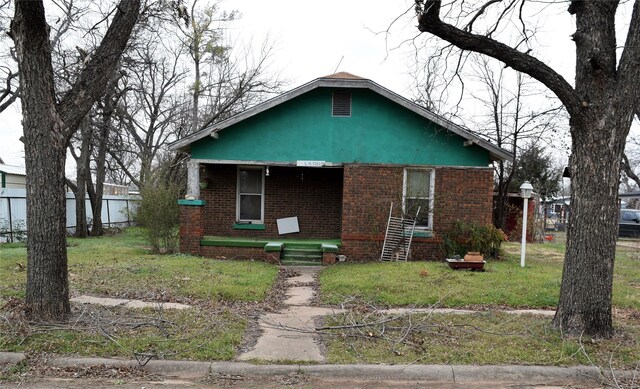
116 211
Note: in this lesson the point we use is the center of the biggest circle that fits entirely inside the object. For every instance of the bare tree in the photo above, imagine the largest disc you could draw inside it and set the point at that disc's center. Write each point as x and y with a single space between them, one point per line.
165 100
512 119
226 84
69 13
508 111
147 110
48 126
601 106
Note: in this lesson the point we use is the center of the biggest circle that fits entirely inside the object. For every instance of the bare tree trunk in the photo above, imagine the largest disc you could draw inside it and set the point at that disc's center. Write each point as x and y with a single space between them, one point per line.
45 150
82 172
500 214
196 94
47 127
587 278
100 175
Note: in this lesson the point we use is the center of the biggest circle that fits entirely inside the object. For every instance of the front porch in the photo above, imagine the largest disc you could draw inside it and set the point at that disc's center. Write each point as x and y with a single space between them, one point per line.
288 251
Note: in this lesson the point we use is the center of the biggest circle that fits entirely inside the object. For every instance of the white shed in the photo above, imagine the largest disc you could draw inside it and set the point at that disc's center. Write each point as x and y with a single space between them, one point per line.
12 176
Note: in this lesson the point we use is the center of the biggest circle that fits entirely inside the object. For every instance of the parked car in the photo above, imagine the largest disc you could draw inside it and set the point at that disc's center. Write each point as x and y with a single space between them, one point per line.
629 223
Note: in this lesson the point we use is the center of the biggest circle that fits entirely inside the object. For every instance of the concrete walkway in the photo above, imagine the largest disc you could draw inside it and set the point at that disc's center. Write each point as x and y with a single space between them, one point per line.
111 302
288 335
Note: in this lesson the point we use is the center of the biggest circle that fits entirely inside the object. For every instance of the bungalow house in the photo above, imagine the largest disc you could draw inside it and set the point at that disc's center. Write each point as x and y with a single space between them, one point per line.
313 172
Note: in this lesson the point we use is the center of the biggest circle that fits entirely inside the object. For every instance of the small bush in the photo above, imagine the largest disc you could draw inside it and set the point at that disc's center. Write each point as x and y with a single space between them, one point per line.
464 237
160 214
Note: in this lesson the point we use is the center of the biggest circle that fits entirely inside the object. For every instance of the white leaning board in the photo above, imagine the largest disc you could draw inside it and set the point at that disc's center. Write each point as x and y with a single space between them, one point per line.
288 225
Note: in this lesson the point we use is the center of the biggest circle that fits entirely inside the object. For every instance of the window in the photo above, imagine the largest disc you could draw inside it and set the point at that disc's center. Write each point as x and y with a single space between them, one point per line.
418 192
341 103
250 200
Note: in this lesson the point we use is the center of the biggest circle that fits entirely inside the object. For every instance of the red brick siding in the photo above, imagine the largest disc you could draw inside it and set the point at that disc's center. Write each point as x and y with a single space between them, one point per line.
459 194
313 195
191 229
462 194
352 203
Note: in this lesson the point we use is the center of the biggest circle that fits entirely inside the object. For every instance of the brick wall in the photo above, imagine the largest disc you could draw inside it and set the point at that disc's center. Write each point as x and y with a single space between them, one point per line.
313 195
352 203
459 194
191 229
463 194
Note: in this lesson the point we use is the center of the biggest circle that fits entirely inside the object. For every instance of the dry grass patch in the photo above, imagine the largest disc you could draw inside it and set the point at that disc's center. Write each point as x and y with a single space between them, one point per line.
481 339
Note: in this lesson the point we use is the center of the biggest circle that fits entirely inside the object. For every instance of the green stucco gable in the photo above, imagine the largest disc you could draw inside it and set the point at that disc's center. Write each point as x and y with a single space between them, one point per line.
378 131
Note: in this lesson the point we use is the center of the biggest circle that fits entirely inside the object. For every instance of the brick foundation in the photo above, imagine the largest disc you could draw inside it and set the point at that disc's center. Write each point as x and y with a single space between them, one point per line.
240 253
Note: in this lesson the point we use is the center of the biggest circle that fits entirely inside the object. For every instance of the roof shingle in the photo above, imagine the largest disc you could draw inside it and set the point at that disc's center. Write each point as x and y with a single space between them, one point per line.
344 76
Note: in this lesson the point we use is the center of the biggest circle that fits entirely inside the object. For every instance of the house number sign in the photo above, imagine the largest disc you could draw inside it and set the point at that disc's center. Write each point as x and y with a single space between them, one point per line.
310 163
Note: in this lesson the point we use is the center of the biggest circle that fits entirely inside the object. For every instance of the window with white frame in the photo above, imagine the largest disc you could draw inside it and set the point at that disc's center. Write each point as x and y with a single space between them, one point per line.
418 196
250 195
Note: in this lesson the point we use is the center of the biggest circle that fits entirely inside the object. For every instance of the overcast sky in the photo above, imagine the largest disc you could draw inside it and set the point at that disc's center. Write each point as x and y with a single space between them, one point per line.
312 39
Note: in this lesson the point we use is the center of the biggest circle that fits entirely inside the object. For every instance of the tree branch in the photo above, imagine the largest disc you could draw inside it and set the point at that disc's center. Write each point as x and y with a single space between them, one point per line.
626 168
429 21
628 69
96 74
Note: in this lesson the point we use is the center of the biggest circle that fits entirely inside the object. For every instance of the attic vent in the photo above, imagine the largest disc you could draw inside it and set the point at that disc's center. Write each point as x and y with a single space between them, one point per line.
341 103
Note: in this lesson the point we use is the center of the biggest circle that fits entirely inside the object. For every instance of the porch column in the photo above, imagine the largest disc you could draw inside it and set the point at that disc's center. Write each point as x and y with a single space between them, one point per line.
192 213
193 181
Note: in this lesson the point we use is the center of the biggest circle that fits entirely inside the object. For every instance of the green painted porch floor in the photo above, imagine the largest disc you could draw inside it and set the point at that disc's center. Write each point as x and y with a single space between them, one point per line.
295 252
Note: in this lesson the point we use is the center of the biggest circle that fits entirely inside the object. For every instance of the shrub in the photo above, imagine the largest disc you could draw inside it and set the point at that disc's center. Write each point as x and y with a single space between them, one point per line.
464 237
160 214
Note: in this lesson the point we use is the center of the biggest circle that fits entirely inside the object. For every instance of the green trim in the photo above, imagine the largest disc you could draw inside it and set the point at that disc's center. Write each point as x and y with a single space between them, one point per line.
193 203
238 226
273 247
4 180
329 248
225 241
233 242
421 234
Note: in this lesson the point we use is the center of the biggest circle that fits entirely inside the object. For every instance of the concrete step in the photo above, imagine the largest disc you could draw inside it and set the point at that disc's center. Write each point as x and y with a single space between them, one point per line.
301 262
301 257
301 251
304 257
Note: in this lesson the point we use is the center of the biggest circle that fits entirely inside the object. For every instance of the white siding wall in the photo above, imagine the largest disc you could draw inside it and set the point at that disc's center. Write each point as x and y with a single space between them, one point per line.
15 181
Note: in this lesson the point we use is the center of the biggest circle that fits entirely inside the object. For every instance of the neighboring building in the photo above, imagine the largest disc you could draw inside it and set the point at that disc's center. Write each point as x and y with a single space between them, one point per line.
333 153
513 219
12 176
109 189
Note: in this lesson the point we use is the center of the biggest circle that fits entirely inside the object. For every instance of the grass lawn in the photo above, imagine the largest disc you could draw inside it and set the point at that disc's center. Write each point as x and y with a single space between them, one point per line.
192 334
122 266
484 338
504 283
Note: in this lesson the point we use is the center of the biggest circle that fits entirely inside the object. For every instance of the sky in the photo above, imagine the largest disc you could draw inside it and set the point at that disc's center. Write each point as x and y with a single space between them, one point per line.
313 39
